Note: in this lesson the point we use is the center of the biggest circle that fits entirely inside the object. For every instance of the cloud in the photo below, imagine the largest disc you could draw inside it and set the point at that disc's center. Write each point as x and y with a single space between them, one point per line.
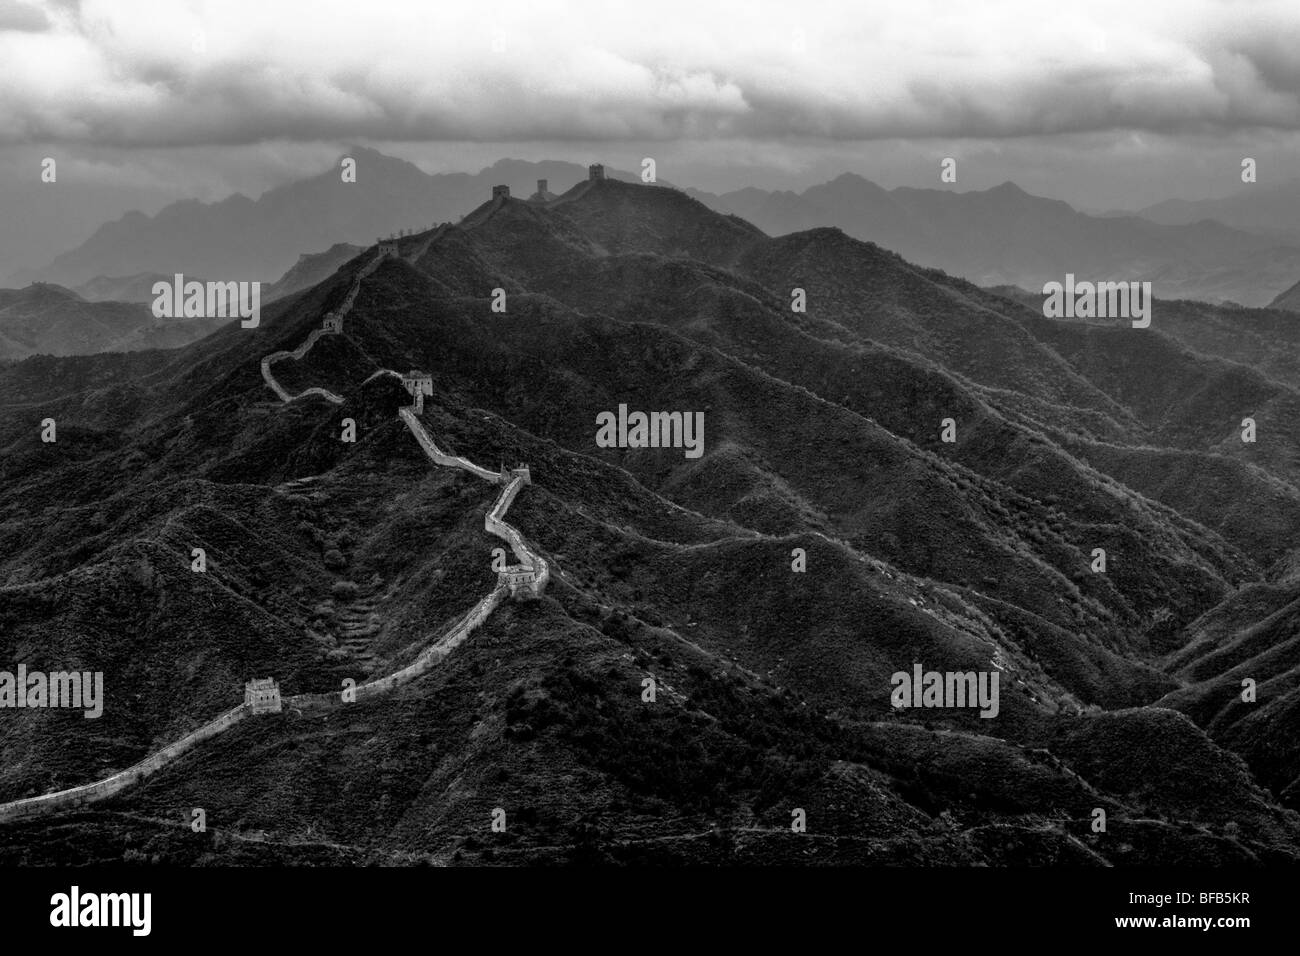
22 17
160 73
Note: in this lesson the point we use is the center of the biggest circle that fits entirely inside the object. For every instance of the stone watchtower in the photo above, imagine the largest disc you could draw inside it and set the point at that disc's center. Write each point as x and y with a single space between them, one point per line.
419 384
262 695
595 172
508 475
502 191
333 324
520 580
543 194
388 247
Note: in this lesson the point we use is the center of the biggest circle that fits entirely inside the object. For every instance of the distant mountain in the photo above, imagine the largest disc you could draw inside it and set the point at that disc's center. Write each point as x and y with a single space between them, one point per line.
1289 300
44 319
310 269
135 288
1264 209
307 271
113 314
997 236
244 239
1007 236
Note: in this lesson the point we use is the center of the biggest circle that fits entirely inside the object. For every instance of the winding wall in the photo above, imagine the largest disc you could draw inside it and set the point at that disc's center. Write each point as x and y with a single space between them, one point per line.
432 655
298 353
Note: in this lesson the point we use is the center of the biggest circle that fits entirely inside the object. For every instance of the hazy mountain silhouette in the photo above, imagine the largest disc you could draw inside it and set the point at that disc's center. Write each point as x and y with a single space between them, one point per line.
996 236
51 320
114 314
132 288
1289 300
1267 209
1007 236
307 271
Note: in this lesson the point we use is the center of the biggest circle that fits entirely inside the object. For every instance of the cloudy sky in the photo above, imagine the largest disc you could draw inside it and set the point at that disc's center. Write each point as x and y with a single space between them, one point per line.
1104 104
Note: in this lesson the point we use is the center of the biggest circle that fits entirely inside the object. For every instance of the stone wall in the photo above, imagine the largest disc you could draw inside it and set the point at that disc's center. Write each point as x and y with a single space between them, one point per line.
431 656
437 455
494 523
109 786
298 353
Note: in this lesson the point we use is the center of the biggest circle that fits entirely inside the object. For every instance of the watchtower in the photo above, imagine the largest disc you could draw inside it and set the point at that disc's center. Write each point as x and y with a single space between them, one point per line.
595 172
521 581
419 384
333 324
262 695
502 191
388 247
543 194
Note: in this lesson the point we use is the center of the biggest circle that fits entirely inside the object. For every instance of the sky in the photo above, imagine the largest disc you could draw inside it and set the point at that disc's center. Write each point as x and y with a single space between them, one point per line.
1104 104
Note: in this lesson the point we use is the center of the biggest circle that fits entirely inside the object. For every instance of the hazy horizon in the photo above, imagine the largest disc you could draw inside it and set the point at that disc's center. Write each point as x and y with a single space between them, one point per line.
97 189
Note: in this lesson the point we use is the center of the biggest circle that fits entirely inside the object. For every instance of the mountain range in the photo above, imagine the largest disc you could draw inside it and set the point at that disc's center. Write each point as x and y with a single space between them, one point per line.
1266 209
1122 689
991 237
44 319
1007 236
247 239
114 314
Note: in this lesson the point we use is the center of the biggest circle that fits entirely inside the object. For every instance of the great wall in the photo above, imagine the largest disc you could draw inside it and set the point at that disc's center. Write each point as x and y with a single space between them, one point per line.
527 579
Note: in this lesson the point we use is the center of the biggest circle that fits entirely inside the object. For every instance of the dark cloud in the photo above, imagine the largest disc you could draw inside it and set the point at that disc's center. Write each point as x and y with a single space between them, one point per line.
239 72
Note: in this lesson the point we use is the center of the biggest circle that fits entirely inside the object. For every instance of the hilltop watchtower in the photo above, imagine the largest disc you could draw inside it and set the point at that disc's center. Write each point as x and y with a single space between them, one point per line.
262 695
419 384
510 475
596 172
502 191
333 324
543 194
520 580
388 247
